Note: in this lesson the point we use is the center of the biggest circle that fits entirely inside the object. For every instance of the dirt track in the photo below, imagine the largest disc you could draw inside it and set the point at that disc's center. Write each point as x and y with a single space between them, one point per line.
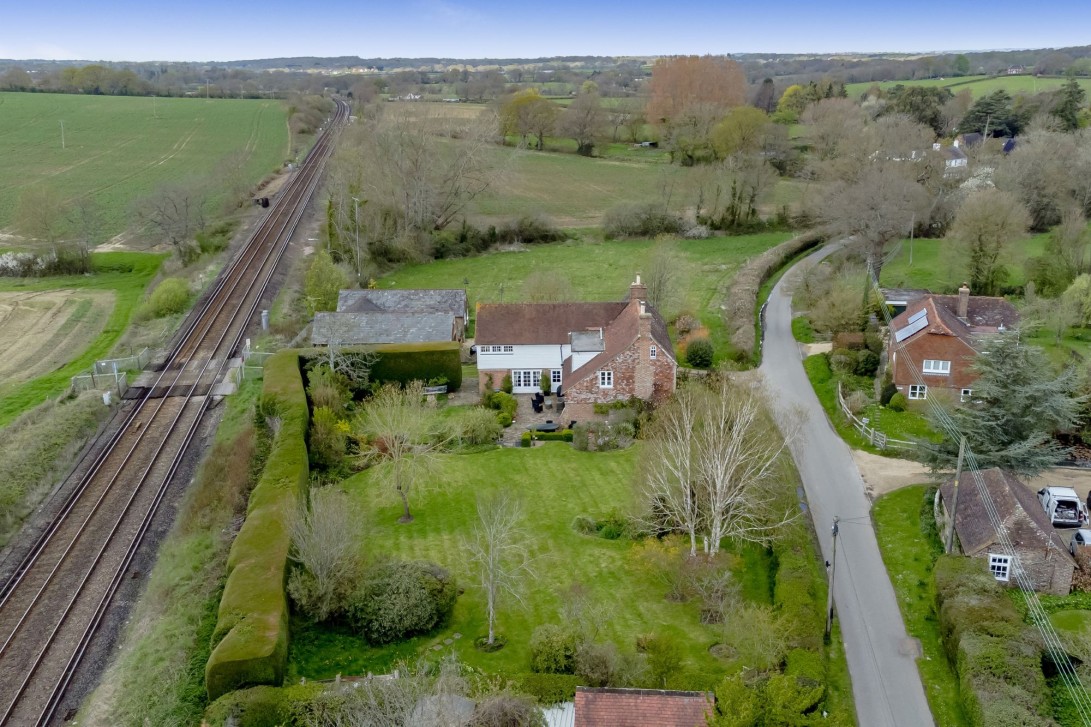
42 331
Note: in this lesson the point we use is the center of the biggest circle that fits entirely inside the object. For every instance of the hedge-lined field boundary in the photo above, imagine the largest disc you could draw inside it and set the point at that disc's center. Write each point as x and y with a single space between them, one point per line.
742 296
251 635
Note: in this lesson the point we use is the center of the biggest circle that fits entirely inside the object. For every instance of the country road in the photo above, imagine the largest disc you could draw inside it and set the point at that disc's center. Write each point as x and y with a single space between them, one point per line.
886 685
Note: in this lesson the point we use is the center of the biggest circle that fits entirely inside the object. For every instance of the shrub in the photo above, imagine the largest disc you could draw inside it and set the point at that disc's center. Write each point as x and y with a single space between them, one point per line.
758 635
585 525
640 220
857 401
260 706
553 650
477 426
545 383
685 323
530 230
327 388
548 689
327 440
897 402
506 710
603 665
843 361
867 363
506 385
400 599
169 298
664 659
564 435
405 362
504 419
699 353
505 403
742 298
887 393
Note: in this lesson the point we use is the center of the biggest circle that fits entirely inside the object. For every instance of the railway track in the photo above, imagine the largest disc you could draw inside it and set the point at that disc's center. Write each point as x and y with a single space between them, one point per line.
56 598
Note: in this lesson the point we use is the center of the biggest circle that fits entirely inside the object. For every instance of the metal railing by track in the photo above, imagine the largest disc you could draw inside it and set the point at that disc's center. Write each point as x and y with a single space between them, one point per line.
37 674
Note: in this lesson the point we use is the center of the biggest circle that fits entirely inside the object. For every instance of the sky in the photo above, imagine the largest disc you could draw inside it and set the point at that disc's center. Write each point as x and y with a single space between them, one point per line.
202 30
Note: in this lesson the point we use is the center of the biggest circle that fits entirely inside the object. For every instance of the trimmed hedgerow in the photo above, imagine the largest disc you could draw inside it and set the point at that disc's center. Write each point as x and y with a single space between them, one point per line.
997 657
403 363
564 435
547 688
251 635
260 706
742 297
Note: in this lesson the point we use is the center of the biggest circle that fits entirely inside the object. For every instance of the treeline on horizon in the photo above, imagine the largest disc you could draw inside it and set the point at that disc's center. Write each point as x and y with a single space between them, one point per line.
484 79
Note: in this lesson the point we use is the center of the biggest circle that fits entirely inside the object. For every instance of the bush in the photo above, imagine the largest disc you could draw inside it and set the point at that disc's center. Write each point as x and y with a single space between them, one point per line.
553 650
259 706
843 361
564 435
327 388
664 659
506 385
169 298
640 220
857 401
888 392
603 665
897 402
327 439
530 230
867 363
507 710
585 525
504 419
400 599
742 298
478 426
548 689
699 353
545 383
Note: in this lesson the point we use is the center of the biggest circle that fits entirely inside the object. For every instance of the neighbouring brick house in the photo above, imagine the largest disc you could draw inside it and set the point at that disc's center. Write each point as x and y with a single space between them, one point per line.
641 708
1040 552
393 316
592 352
933 343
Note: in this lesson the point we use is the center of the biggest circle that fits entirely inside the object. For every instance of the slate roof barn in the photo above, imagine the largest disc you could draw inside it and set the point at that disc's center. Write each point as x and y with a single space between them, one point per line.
368 317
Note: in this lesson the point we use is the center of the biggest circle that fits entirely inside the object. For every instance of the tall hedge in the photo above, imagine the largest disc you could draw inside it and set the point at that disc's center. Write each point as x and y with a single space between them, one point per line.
405 362
997 657
251 635
742 297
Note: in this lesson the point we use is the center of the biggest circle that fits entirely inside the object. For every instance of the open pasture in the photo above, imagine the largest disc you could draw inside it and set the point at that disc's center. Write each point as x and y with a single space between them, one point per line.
976 85
118 148
43 330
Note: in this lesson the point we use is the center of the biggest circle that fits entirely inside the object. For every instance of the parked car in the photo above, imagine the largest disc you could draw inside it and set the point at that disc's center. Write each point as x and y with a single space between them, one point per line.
1080 539
1063 506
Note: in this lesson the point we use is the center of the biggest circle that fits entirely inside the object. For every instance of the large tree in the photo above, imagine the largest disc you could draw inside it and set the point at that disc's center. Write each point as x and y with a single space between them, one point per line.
176 211
528 113
741 130
923 104
583 121
993 115
1018 404
986 224
1070 101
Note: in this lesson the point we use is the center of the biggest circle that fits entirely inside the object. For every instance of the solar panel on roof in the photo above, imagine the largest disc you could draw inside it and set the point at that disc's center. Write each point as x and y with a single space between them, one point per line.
919 324
918 315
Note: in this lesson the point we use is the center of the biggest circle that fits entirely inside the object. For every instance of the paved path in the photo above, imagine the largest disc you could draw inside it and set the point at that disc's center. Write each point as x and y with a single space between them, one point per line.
885 682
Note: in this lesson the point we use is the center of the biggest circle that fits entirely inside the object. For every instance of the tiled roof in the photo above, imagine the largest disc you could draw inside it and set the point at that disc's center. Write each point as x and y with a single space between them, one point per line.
641 708
984 315
983 311
619 335
371 328
1023 518
430 300
540 323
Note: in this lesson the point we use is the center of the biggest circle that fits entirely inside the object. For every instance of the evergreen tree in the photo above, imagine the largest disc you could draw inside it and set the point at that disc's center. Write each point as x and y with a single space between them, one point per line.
995 111
1018 404
1071 99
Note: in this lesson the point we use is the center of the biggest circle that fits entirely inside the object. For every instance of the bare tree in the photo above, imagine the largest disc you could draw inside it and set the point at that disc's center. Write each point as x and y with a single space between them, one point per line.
714 468
583 121
175 211
664 274
403 435
326 540
40 214
498 552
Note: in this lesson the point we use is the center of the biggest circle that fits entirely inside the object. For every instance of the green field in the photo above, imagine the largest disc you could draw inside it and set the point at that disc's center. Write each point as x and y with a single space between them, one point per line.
556 483
127 274
938 265
599 271
119 148
977 85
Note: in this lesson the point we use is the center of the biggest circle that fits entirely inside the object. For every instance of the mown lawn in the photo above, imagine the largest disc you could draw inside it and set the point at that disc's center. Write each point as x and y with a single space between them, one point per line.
118 148
556 484
599 270
910 547
125 273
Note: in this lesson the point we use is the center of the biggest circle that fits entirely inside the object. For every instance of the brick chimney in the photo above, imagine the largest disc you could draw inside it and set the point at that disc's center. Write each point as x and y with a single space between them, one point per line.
964 301
644 384
638 291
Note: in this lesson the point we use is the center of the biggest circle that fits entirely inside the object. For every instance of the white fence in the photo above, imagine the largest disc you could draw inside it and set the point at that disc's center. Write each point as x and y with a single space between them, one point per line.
873 435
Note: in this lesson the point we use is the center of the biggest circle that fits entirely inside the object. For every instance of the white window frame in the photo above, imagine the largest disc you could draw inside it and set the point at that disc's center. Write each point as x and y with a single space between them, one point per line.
652 352
965 395
1000 567
606 379
555 377
509 349
937 367
918 392
520 377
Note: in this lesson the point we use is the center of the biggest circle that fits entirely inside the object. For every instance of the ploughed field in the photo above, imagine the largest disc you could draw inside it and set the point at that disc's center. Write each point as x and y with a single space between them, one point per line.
120 148
41 331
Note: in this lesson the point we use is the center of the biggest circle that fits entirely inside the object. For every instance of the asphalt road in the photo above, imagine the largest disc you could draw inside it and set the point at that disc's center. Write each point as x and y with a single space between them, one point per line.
886 685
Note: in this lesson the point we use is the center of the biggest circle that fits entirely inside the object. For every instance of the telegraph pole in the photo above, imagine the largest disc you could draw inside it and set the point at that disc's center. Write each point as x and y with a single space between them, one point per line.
954 497
833 572
62 133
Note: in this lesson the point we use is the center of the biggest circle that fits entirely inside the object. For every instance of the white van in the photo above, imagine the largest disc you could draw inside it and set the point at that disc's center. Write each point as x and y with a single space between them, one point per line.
1063 506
